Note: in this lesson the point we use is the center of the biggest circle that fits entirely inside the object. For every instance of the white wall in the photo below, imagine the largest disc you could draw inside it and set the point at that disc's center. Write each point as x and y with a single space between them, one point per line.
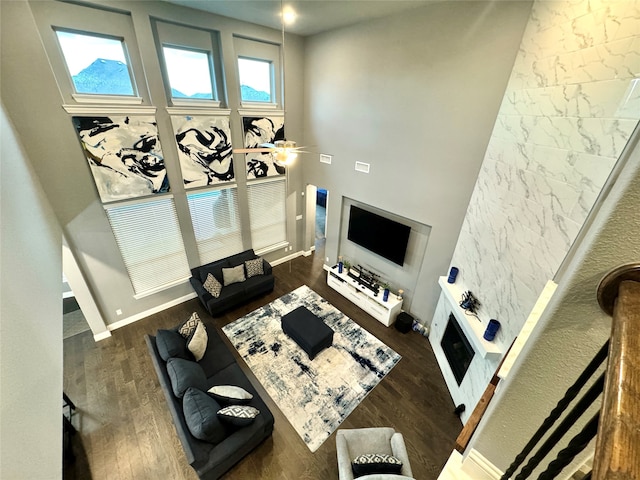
30 320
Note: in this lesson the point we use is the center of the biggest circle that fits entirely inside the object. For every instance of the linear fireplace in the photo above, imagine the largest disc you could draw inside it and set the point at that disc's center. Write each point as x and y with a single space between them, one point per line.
456 348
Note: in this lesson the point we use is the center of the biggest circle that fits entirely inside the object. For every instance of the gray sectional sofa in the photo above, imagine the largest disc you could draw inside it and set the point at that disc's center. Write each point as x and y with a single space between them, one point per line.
211 446
234 294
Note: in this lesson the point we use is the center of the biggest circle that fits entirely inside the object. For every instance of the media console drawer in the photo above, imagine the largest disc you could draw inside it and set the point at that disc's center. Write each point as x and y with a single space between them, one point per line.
384 312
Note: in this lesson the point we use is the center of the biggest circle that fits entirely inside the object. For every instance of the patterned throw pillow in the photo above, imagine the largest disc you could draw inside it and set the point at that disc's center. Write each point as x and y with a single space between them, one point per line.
197 342
212 285
230 394
188 327
238 415
375 463
254 267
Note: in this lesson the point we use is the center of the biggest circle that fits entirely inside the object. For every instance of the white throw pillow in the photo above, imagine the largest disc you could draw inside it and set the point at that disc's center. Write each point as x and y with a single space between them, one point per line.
233 275
197 344
230 394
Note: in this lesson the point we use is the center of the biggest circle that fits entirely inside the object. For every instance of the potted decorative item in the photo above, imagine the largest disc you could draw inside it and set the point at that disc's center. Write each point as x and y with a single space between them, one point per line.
347 264
385 293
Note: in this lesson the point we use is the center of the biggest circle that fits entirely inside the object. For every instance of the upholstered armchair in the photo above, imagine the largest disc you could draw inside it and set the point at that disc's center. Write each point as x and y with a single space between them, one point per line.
352 443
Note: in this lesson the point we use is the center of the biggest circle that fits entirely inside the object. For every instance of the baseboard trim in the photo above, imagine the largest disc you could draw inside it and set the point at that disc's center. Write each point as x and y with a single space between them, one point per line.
151 311
286 259
478 467
101 336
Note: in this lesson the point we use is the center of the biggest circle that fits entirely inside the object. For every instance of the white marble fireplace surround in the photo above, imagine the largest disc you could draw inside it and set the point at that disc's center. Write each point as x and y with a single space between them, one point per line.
569 108
487 354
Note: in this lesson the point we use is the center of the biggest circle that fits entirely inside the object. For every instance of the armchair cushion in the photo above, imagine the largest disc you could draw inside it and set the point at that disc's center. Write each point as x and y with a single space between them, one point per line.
351 443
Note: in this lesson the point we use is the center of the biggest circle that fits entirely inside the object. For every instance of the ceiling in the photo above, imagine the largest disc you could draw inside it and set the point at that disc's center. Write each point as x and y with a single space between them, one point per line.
313 16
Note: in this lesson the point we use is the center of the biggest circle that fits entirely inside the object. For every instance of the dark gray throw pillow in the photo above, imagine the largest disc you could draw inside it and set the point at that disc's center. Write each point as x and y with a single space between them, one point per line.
184 374
172 345
200 414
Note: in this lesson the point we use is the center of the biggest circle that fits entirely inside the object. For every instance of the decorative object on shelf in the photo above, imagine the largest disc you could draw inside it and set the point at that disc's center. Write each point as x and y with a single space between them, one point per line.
469 303
416 326
492 329
340 264
346 264
385 293
453 273
400 294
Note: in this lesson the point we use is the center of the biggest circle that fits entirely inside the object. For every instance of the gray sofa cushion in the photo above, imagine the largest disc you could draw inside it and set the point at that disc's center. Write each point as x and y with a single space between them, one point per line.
172 345
184 374
201 417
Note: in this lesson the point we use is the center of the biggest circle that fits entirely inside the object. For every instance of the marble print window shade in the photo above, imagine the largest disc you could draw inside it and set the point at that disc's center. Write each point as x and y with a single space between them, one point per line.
204 149
257 131
124 155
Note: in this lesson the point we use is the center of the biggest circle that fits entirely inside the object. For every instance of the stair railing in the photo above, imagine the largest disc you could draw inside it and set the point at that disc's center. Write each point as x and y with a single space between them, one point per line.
617 425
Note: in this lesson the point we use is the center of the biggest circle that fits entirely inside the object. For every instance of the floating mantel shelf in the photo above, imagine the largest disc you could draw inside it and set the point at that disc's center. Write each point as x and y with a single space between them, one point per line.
472 327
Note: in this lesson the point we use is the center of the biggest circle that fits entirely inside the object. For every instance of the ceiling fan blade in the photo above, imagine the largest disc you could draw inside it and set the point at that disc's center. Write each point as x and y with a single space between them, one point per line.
253 150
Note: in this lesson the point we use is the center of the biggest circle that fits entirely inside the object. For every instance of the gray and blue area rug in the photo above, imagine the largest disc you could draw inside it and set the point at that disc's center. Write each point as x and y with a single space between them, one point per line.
315 396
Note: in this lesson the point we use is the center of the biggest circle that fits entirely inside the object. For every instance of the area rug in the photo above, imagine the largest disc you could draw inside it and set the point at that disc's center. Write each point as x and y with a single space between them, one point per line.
315 396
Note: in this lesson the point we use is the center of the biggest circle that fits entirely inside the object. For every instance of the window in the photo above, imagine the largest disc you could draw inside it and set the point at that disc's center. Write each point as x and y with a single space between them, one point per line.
267 214
255 80
259 72
97 64
216 223
189 73
191 60
150 242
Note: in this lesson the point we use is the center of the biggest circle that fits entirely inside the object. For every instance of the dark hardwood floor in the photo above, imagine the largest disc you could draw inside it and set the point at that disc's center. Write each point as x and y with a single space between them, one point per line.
125 430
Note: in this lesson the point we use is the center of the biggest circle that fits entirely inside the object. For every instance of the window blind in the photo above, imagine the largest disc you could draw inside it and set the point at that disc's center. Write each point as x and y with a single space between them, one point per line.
267 215
150 242
216 223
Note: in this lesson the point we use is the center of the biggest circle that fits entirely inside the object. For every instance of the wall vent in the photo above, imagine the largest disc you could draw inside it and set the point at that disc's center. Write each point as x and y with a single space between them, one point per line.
324 158
362 167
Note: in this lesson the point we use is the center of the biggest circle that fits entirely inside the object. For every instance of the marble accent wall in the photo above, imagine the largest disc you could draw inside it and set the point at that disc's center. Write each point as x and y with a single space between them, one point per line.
572 101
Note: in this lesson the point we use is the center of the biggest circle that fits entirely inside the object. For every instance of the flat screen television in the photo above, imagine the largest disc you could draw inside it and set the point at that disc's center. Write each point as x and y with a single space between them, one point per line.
378 234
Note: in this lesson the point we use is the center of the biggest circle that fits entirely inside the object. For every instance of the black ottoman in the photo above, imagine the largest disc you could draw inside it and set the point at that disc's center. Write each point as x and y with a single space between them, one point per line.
307 330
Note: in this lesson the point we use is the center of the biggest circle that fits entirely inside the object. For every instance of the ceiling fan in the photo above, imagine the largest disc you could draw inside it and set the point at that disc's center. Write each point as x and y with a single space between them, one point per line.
283 152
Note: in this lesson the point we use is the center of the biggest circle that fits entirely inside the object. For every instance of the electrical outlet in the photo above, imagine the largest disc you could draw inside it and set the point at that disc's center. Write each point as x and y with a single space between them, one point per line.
118 312
327 259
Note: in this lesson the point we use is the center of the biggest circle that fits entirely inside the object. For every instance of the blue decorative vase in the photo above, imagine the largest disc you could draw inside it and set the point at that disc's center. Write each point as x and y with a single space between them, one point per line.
385 295
492 329
453 273
340 267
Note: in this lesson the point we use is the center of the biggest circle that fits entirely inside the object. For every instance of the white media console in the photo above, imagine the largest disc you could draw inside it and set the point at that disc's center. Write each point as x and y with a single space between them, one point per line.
363 297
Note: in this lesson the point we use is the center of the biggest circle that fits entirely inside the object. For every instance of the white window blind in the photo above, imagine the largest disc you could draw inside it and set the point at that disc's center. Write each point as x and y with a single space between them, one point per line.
150 242
267 214
216 223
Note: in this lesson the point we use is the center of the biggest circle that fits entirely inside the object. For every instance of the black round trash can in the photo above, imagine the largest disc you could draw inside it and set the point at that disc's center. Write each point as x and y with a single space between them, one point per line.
404 322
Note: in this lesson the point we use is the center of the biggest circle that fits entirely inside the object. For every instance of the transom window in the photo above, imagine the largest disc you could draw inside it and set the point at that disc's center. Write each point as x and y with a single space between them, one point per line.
97 64
189 73
255 80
